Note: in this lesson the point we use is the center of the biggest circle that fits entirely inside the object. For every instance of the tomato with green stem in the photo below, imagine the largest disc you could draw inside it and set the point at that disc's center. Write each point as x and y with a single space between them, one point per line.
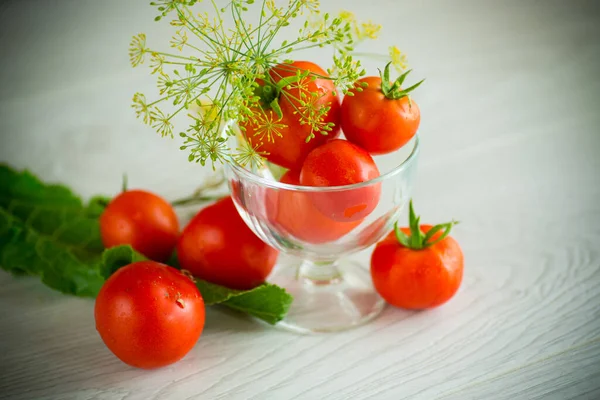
219 247
418 267
380 116
339 163
294 94
149 314
143 220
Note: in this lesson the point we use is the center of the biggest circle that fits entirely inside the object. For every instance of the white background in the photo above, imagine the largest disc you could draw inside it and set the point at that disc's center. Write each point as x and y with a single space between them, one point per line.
511 144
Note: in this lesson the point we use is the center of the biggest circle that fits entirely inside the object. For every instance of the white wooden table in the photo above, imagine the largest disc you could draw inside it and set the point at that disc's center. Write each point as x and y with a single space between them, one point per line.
511 147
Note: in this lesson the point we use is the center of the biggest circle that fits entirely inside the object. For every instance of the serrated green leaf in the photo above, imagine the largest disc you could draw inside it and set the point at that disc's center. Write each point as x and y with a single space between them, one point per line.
45 230
267 302
52 210
25 187
25 250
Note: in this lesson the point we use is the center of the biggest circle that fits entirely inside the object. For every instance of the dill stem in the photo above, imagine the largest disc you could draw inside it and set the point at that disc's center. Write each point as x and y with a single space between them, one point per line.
294 6
185 104
174 56
240 21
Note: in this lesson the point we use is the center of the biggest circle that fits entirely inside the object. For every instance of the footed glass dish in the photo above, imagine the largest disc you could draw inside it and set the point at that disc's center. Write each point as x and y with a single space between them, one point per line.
319 227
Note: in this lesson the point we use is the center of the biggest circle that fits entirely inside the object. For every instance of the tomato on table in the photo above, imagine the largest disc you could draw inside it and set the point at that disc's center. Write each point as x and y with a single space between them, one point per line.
149 314
294 213
418 267
219 247
339 163
143 220
382 117
292 147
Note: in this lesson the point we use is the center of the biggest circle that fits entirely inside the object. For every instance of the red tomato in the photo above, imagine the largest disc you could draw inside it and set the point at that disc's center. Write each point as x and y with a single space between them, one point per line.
142 219
219 247
149 314
291 148
376 123
294 213
417 279
337 163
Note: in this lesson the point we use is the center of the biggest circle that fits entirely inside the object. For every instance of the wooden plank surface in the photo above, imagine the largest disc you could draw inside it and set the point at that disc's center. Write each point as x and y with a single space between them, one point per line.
511 148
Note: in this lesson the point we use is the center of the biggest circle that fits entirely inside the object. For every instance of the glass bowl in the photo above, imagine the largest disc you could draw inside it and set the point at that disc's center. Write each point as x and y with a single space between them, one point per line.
317 226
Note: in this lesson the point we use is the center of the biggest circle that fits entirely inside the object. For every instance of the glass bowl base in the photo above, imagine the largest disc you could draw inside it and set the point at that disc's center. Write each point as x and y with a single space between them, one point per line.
341 296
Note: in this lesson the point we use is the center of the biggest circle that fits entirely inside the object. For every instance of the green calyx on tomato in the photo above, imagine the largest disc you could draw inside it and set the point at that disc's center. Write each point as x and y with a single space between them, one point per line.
298 111
417 240
270 92
394 91
269 97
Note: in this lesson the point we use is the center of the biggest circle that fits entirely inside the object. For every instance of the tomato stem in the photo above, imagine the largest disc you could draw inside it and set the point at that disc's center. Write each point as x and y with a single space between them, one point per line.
124 183
417 240
394 91
270 92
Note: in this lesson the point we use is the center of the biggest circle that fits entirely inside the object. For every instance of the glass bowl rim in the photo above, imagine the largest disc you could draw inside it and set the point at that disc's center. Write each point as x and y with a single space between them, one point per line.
262 181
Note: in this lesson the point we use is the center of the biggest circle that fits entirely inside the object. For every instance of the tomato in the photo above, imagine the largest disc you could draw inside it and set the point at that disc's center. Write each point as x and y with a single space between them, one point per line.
294 213
142 219
149 314
219 247
338 163
290 149
376 123
421 277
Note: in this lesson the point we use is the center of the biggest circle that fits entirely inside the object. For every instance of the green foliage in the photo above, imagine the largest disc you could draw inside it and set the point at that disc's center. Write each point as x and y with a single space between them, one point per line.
46 230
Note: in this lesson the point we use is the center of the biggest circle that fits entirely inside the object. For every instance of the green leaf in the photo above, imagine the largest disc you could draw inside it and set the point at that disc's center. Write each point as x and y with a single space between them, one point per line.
52 211
24 250
46 231
267 302
25 187
96 206
117 257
